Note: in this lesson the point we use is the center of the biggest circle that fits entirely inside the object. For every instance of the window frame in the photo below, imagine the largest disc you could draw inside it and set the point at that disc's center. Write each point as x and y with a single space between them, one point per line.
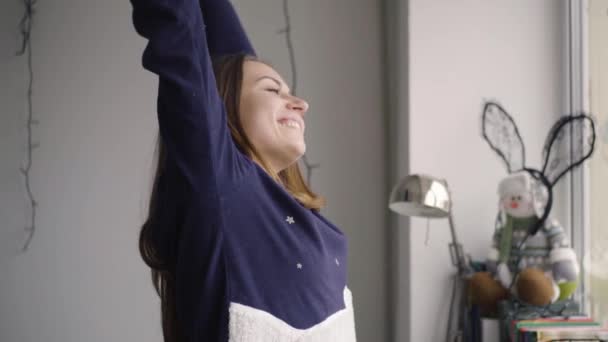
578 100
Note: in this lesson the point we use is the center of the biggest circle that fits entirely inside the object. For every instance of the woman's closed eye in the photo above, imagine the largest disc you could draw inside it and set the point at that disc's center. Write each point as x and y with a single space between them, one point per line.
273 90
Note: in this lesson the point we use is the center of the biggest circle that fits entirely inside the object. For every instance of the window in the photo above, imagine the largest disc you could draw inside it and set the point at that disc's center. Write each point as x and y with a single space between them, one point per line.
596 258
589 184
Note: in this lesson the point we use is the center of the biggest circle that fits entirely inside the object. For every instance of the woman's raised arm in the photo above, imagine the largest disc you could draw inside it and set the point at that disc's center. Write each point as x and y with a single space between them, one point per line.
191 114
225 33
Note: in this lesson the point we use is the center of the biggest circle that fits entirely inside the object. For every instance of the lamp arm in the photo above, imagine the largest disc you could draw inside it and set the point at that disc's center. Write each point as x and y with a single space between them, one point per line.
456 250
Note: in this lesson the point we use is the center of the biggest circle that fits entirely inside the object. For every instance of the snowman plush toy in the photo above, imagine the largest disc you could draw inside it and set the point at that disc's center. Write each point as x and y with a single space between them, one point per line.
530 258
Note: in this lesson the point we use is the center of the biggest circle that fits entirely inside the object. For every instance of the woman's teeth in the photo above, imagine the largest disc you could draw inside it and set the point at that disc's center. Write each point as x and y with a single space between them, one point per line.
290 123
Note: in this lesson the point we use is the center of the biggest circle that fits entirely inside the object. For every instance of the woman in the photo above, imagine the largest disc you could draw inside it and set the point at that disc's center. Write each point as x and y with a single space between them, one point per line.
236 243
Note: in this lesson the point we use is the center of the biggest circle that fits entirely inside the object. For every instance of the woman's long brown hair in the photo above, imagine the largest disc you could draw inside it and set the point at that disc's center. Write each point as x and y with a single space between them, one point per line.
229 75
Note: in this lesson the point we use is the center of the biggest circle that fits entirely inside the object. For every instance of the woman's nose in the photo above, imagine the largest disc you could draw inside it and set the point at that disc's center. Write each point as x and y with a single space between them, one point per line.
297 104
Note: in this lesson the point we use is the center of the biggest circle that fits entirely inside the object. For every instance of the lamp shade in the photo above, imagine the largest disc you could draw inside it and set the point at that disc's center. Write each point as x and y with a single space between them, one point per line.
421 195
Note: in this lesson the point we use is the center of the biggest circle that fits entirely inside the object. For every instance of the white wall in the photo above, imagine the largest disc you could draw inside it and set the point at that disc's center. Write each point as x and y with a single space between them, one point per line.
461 52
83 279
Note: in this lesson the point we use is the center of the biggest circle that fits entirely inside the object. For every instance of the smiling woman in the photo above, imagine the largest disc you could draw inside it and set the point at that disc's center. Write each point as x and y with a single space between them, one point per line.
234 237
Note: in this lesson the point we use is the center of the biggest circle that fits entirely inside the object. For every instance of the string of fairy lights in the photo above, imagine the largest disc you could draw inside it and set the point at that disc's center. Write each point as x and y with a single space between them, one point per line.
26 48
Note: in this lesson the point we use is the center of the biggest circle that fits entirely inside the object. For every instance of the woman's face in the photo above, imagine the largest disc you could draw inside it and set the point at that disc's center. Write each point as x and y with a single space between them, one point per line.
272 118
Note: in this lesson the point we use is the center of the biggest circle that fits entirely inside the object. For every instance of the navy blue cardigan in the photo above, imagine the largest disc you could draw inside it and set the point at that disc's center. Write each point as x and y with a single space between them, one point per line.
250 262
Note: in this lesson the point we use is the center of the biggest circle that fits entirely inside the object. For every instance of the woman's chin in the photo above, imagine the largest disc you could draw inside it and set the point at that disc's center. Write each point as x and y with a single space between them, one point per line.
295 152
301 150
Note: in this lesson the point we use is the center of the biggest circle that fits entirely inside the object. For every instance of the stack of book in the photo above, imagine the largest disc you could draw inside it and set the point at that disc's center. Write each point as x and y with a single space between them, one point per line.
557 329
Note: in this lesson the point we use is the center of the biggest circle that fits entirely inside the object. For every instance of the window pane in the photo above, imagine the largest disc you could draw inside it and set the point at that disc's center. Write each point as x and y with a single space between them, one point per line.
597 258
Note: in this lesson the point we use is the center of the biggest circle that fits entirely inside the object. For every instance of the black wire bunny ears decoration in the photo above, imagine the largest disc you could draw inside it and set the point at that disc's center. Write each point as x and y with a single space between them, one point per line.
569 143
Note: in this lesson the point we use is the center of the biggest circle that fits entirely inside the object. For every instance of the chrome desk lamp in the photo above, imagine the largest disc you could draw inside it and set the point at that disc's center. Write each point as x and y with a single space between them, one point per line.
425 196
